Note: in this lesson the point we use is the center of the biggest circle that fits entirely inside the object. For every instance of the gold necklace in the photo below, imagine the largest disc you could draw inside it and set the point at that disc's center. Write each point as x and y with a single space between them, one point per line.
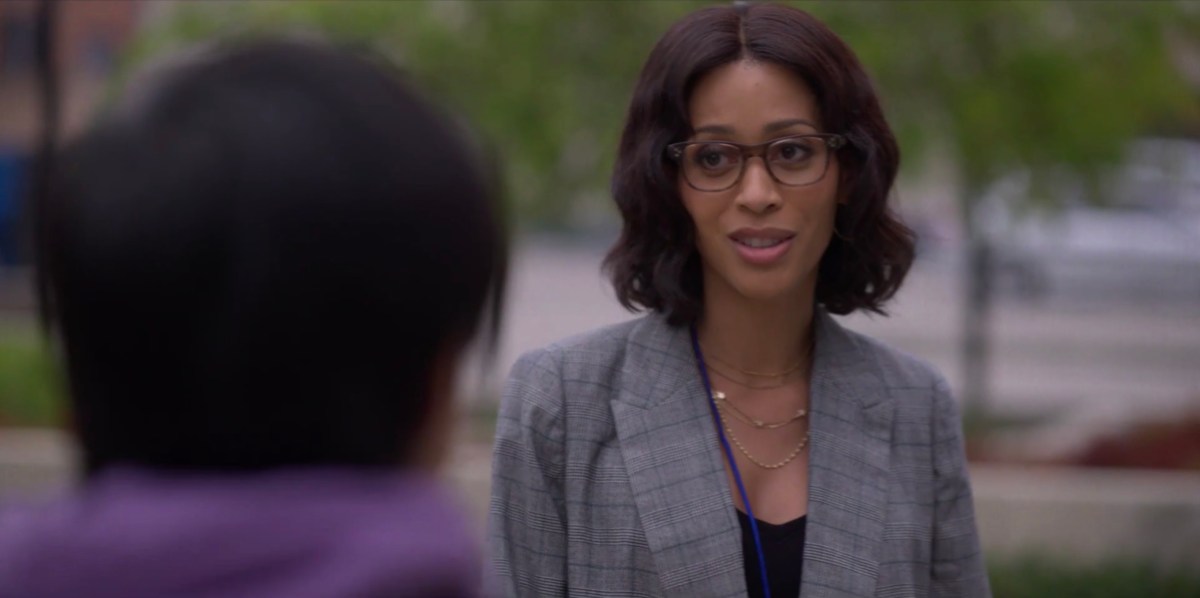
753 373
726 375
721 400
729 430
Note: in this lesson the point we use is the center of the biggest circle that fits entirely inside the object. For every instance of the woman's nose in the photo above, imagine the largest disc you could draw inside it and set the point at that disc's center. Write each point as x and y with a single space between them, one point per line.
758 192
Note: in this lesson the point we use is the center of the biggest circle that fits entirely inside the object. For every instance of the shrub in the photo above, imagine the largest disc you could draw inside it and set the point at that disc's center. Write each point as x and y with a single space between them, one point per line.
1166 444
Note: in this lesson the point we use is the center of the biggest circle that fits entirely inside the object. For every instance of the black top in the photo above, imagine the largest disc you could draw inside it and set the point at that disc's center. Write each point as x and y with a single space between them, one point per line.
783 547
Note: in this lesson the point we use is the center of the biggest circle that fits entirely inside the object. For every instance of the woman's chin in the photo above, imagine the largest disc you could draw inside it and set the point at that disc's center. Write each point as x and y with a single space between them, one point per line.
770 290
758 285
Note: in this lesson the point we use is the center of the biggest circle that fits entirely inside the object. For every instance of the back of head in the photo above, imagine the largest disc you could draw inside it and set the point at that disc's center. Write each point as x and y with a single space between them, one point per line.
256 258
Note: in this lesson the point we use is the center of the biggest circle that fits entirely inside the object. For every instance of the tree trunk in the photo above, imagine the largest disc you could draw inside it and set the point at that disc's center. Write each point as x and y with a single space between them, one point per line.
976 314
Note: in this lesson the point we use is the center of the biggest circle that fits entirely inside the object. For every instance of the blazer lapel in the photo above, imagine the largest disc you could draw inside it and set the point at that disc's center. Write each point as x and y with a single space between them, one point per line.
848 467
673 458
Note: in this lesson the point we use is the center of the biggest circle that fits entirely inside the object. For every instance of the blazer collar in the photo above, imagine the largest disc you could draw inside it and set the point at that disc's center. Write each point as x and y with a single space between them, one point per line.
676 464
661 355
850 427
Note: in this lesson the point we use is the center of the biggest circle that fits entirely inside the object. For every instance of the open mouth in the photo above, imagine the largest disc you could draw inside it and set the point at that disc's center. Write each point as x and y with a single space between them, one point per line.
760 242
762 247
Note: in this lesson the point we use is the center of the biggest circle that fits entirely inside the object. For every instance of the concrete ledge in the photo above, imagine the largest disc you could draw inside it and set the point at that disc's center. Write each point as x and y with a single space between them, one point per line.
34 462
1074 514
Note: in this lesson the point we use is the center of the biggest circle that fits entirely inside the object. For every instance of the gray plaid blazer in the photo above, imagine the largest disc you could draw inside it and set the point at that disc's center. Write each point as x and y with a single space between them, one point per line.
608 477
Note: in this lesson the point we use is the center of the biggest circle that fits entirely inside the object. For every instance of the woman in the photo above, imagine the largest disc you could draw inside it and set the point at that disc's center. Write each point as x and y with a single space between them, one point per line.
736 440
264 263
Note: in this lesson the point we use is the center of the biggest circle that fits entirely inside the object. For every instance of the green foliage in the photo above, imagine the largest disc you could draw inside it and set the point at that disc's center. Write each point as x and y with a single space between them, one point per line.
30 393
1031 577
1044 87
547 82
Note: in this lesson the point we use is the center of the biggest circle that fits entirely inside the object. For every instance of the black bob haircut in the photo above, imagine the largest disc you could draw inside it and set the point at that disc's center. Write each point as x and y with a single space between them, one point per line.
655 264
255 257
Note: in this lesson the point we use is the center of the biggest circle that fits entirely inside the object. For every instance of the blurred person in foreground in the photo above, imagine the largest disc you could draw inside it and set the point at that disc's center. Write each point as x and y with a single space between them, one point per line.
263 263
737 440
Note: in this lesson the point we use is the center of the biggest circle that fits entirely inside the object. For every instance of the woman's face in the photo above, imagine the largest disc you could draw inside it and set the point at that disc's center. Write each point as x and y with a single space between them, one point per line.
759 239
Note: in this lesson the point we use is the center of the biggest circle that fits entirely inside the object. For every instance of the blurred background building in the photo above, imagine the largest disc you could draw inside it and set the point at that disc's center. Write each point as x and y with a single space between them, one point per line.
1052 169
89 38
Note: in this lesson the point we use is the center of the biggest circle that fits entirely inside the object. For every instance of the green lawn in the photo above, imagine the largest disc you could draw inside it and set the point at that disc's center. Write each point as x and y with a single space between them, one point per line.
29 385
1034 577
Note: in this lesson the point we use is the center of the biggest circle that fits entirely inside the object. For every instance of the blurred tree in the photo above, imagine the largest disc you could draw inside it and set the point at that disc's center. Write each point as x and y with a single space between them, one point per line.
1048 89
1052 90
547 82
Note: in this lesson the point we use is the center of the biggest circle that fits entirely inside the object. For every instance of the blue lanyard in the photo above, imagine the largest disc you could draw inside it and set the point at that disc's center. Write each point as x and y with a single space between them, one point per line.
737 475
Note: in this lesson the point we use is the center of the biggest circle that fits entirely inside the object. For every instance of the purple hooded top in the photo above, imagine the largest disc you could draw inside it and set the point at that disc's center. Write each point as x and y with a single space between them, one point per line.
294 533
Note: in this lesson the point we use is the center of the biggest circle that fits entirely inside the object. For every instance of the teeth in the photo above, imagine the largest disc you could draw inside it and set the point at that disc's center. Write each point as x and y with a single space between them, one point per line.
759 243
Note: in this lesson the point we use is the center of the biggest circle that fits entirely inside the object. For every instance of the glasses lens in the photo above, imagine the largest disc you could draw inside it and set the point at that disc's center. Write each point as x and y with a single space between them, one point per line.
711 166
798 160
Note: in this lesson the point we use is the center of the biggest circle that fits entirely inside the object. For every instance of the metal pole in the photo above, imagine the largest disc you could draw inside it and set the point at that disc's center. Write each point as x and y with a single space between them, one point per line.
44 40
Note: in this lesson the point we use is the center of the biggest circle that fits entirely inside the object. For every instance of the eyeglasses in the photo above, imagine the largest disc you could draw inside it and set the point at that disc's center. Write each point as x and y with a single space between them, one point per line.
795 161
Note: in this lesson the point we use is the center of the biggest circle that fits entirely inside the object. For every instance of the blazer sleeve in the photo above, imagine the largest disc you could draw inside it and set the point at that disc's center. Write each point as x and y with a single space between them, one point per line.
958 567
527 522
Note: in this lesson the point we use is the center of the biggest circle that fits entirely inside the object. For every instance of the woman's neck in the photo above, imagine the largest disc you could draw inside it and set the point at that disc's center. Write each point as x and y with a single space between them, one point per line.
757 335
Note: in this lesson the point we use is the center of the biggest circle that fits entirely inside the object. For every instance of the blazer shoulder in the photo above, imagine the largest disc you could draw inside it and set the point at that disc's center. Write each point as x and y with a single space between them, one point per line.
597 356
606 343
606 340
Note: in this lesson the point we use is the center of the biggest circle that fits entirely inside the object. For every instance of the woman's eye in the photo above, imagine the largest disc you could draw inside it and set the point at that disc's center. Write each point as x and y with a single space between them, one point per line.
793 151
713 157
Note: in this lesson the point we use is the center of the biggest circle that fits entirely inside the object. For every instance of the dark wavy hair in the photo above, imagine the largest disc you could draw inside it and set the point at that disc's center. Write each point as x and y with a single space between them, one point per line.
655 264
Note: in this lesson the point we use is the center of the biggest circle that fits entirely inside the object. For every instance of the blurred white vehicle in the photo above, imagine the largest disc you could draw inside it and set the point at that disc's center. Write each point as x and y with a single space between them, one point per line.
1143 243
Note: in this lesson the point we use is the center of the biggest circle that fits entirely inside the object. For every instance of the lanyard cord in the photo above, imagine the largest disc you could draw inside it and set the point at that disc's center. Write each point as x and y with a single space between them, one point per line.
737 475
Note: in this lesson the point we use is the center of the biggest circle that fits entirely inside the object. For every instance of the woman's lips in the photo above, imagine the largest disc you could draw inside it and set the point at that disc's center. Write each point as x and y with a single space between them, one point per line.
761 247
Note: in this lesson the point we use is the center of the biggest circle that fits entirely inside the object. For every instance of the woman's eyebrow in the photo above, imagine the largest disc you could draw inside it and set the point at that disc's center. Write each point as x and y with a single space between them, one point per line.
715 129
780 125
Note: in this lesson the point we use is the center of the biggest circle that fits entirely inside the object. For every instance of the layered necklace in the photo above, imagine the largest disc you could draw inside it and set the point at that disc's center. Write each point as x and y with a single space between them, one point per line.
726 408
718 403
